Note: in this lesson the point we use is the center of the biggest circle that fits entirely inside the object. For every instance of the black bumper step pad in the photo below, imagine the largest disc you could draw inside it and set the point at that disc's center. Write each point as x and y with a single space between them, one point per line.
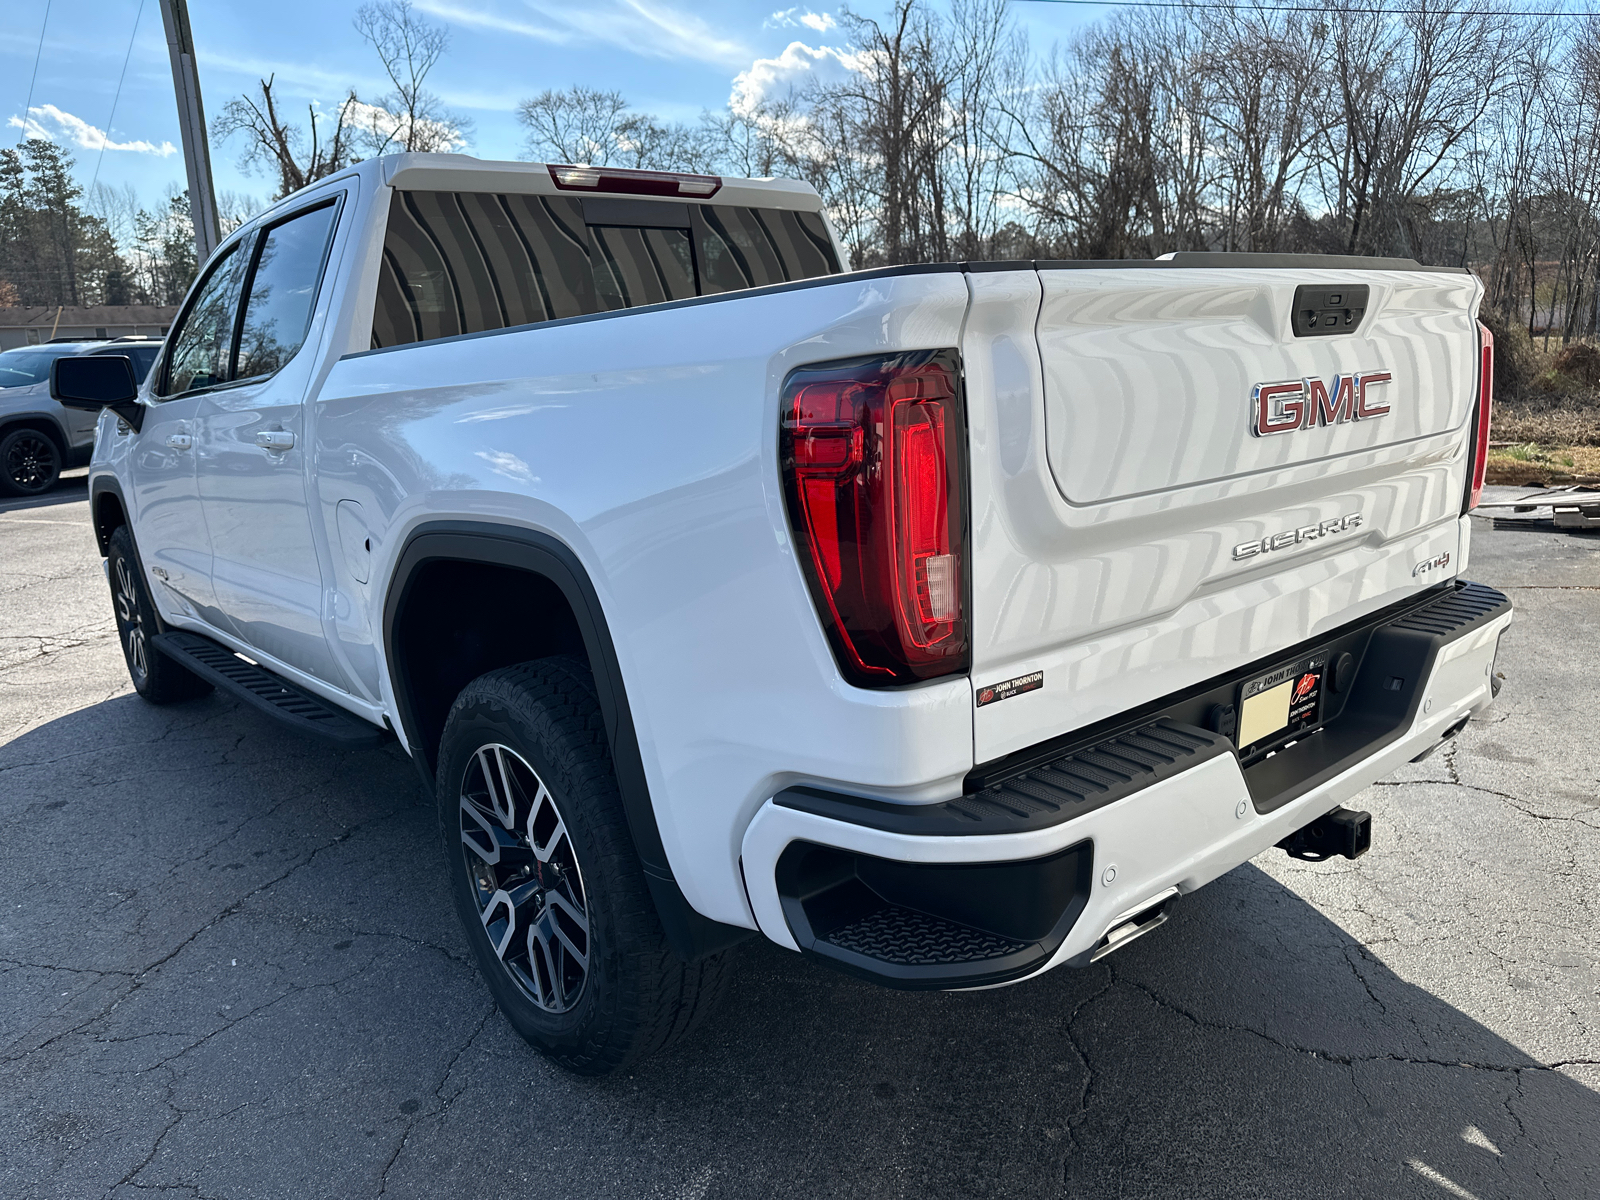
269 693
932 925
909 938
1455 614
1046 795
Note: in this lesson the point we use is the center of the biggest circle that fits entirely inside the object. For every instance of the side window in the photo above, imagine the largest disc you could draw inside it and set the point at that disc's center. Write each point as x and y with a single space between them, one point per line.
466 263
283 291
457 263
752 247
201 344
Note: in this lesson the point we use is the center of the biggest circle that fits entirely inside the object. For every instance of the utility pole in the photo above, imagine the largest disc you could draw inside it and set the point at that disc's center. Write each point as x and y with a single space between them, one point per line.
192 123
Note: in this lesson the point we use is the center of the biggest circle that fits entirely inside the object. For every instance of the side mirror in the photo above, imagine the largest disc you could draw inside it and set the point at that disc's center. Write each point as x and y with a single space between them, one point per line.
96 381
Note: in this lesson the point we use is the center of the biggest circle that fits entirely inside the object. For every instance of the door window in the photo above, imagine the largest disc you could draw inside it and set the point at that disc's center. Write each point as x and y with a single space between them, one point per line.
283 290
202 342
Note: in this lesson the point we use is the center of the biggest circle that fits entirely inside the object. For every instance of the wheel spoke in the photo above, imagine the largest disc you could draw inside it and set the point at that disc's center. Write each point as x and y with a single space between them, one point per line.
126 610
544 972
501 927
557 904
492 761
546 829
484 840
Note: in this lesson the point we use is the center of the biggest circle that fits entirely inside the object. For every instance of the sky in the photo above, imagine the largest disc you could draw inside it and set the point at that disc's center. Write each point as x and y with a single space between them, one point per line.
671 58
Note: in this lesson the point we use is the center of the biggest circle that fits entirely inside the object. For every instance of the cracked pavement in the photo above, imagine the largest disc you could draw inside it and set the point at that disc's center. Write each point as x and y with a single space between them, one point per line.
230 970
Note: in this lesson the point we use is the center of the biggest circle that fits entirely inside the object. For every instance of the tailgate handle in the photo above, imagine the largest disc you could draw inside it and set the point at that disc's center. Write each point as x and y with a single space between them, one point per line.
1321 309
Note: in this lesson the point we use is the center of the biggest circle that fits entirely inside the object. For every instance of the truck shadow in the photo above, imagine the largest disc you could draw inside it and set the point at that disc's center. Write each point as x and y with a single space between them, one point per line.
1251 1047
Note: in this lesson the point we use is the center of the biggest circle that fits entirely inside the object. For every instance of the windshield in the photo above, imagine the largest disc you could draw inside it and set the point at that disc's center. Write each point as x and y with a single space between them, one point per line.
19 368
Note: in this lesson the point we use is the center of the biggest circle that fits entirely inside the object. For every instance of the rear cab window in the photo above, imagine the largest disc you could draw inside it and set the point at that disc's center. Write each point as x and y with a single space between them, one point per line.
468 262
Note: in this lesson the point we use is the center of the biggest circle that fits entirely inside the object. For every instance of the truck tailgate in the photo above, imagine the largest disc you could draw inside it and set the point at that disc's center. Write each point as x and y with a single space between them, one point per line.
1133 531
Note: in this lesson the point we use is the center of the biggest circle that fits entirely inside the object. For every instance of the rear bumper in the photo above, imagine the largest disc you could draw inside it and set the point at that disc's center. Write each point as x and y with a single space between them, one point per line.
1032 869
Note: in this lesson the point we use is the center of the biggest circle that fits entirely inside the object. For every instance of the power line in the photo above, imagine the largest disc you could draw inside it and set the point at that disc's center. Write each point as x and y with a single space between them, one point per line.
106 137
27 109
1317 10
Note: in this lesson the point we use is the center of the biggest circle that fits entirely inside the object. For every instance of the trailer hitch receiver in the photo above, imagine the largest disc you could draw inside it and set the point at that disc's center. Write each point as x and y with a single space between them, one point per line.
1339 832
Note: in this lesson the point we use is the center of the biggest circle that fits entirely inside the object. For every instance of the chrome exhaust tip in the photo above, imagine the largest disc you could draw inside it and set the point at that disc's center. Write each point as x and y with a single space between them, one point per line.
1134 923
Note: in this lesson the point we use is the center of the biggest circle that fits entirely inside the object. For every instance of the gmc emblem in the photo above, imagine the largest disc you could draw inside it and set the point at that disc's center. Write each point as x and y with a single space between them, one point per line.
1302 403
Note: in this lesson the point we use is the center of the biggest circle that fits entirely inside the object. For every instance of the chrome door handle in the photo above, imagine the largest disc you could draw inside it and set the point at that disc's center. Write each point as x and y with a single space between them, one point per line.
180 441
276 440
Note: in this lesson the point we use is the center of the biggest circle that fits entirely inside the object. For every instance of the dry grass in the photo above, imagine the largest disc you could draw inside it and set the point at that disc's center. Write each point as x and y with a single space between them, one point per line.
1547 397
1533 463
1546 426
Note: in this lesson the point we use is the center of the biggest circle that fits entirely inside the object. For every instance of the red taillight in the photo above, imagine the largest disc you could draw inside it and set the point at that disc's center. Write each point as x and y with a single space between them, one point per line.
871 451
571 178
1480 421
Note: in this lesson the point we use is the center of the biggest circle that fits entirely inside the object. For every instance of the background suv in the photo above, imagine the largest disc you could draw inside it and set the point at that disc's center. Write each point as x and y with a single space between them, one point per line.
39 438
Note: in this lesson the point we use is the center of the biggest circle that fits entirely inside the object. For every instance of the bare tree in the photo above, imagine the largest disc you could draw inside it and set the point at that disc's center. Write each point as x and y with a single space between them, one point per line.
410 117
1270 106
275 145
1411 91
579 125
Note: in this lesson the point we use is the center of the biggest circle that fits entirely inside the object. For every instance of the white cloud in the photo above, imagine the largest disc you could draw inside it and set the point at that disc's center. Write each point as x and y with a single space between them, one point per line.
774 79
382 123
644 27
786 18
49 122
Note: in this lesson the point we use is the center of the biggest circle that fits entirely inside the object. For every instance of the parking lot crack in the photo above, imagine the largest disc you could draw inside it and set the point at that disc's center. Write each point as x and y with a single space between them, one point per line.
1356 971
139 980
1346 1059
1082 1052
16 962
438 1094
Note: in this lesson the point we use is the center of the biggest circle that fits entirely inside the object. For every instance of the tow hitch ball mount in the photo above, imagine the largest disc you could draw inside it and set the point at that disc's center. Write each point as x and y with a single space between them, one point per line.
1339 832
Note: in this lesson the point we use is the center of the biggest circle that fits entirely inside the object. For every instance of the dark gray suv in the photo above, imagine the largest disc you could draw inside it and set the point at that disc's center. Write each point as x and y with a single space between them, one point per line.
39 438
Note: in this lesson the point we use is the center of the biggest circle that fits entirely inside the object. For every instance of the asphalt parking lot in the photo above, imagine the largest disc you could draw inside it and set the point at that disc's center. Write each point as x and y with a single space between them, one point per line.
230 970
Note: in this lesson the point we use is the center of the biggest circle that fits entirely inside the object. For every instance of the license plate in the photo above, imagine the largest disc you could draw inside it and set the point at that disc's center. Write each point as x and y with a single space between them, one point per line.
1281 703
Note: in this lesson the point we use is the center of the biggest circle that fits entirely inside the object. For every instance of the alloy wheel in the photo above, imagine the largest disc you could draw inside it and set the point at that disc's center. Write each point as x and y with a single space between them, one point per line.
129 618
525 878
30 462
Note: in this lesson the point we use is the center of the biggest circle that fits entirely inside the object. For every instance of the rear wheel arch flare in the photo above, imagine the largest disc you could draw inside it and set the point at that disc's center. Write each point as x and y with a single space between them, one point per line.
436 552
434 581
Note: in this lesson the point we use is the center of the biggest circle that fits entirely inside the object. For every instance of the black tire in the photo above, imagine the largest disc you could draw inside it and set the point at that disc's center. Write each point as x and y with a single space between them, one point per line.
538 727
30 463
155 676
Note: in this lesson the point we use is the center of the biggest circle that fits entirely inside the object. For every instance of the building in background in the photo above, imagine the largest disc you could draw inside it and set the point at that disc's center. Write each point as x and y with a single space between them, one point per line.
36 324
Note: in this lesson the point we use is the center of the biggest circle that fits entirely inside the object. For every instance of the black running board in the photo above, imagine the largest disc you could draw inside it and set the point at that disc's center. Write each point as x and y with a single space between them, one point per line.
269 693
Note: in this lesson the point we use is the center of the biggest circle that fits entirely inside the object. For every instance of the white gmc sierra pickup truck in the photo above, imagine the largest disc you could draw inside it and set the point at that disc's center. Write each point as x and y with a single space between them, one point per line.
942 623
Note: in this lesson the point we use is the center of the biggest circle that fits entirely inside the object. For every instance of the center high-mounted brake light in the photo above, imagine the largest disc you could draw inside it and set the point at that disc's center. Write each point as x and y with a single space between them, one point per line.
1480 423
571 178
872 454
